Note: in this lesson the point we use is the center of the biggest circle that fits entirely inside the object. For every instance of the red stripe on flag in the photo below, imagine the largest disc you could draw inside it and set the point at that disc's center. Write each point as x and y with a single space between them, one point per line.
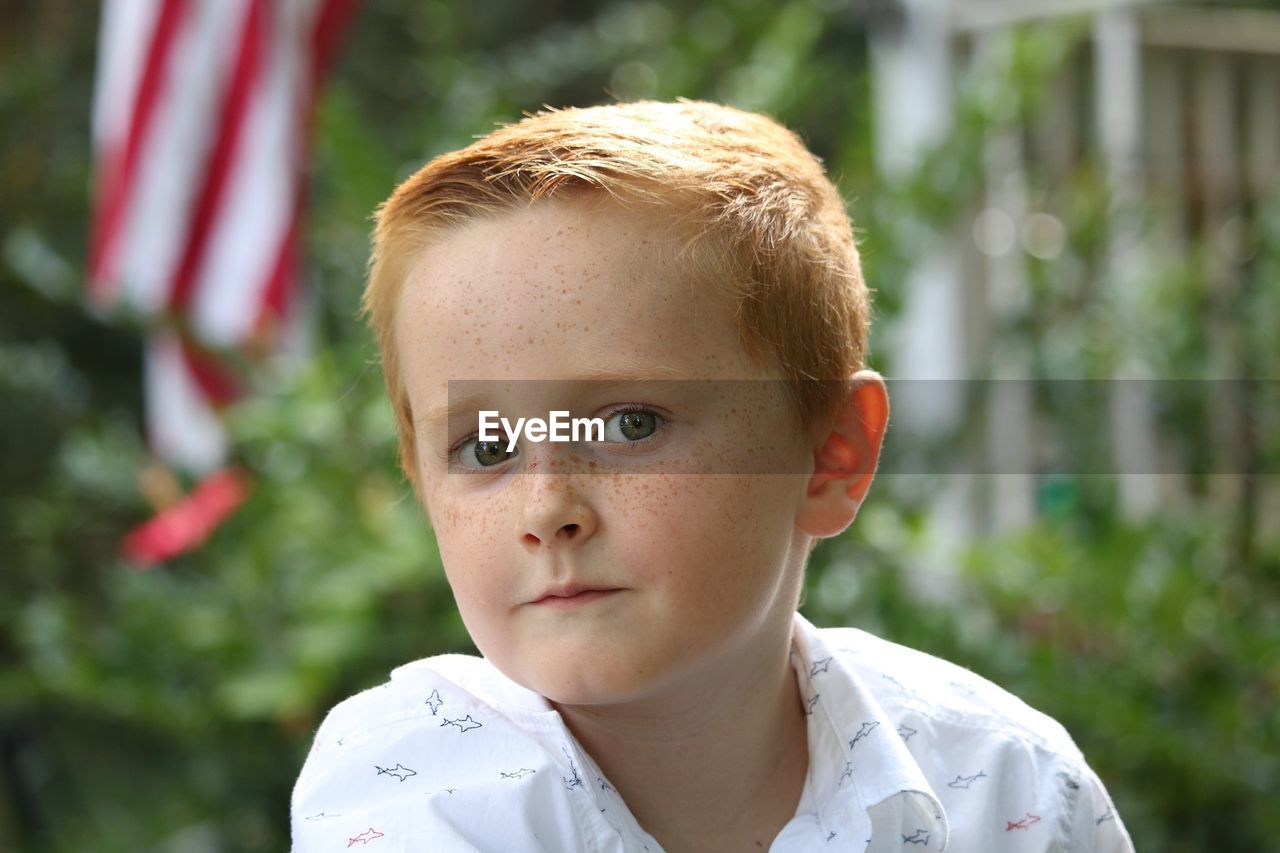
216 383
116 180
330 23
248 66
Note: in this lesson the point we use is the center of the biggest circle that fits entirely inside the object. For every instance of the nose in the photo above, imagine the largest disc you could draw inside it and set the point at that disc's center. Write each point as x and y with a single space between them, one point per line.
555 513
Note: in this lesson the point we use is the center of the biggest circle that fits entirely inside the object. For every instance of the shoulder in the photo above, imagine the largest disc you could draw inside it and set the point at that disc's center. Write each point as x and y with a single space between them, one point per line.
443 741
1009 776
370 727
416 691
904 680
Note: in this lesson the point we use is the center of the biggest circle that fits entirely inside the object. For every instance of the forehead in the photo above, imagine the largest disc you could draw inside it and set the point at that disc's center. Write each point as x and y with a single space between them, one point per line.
556 289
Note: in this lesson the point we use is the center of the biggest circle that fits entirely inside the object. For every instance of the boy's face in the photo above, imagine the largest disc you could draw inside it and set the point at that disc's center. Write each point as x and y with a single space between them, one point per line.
698 567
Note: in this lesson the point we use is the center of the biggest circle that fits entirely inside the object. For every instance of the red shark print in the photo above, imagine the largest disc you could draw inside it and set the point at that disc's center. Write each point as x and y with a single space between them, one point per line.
1023 823
365 837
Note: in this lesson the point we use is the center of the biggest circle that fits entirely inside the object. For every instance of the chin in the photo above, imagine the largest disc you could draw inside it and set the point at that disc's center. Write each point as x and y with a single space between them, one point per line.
593 682
587 669
578 688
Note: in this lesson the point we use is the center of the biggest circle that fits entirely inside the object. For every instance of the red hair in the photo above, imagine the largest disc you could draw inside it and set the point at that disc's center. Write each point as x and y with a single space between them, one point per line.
755 214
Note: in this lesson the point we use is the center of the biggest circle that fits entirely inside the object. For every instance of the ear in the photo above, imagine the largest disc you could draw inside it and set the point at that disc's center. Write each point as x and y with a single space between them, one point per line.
845 460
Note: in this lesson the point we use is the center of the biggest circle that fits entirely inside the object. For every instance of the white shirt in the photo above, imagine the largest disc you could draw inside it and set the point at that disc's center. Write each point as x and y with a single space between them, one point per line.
906 753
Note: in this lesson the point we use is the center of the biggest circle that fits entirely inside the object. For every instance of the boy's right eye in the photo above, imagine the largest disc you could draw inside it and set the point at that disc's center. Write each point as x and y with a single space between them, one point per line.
478 455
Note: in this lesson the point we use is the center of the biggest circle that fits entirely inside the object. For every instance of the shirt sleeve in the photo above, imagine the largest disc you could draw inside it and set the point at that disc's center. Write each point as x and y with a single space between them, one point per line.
1095 825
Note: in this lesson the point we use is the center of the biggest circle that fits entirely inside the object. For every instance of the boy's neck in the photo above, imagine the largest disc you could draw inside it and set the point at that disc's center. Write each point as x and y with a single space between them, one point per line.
719 765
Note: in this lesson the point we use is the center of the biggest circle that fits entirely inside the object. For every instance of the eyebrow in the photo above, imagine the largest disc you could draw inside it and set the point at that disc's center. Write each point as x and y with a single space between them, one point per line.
444 414
597 376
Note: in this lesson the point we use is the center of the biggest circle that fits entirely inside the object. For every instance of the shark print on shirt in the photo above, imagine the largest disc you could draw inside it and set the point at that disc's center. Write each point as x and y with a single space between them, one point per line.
365 837
399 771
574 781
466 724
518 774
920 836
966 781
863 731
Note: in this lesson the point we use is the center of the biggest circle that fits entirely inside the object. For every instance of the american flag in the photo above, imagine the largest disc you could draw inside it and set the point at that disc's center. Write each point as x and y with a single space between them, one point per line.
200 133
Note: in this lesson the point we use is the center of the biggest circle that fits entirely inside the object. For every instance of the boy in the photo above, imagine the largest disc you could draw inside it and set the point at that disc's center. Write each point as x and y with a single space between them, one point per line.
686 273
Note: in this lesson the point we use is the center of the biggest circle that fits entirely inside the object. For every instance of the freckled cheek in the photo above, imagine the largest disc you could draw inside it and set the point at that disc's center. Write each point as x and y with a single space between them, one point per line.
469 534
733 528
678 528
640 515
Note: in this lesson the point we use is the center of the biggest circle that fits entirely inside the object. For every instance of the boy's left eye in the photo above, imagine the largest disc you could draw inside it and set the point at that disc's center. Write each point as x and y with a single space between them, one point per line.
631 425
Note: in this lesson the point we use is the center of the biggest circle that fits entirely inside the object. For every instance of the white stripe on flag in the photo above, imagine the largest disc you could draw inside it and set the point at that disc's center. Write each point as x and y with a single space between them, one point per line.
182 428
258 205
122 52
176 151
124 119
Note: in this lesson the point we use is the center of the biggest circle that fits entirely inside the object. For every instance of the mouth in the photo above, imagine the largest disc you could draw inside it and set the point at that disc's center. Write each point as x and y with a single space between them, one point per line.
573 596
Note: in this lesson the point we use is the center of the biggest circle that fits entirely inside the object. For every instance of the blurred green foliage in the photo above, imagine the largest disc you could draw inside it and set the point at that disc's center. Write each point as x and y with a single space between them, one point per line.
170 709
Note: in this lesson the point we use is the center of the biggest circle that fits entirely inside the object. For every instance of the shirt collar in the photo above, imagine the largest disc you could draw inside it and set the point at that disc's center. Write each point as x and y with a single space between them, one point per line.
859 767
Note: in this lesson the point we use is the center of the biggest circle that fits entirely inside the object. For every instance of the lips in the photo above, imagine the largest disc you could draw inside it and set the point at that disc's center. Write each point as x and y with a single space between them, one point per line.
572 594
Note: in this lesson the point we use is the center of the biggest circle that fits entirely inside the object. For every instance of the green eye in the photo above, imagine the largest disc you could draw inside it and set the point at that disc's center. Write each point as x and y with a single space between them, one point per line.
478 455
631 425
